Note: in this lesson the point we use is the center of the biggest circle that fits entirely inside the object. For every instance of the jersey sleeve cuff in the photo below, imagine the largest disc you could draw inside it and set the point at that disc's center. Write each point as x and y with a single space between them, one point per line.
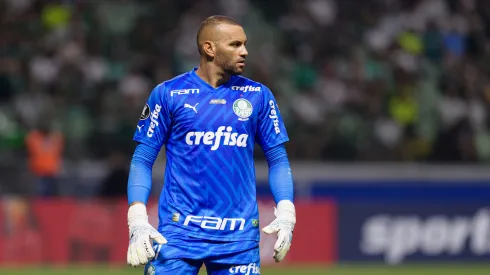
145 142
274 144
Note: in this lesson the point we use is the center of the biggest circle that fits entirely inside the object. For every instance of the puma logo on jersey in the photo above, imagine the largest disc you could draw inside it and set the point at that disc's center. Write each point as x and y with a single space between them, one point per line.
191 107
214 138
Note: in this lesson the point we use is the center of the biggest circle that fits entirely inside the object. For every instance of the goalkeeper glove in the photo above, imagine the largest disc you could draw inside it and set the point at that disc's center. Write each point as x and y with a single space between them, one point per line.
283 225
141 234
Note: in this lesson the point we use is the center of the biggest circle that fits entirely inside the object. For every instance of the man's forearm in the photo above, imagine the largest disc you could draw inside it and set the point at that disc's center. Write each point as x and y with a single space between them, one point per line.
140 174
281 183
280 176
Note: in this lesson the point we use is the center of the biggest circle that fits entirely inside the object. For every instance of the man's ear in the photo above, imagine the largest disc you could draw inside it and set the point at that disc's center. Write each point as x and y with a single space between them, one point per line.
209 48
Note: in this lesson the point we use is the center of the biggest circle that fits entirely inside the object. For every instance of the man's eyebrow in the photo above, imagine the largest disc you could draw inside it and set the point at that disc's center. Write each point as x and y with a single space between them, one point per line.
236 40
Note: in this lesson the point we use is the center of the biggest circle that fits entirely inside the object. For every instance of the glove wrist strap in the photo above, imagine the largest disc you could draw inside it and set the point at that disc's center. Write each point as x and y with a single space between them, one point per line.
286 205
137 214
286 209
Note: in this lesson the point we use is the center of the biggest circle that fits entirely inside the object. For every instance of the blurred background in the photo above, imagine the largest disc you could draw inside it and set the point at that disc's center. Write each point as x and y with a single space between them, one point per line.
386 102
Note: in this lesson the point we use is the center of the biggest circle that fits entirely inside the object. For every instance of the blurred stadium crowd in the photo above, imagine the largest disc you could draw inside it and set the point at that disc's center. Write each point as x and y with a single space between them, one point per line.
377 80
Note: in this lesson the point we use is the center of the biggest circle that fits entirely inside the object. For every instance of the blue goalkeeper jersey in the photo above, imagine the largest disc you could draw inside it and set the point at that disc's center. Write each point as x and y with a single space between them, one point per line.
209 134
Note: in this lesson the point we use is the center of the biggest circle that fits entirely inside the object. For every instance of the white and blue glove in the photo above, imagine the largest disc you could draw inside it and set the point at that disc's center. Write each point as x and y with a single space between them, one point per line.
283 225
141 236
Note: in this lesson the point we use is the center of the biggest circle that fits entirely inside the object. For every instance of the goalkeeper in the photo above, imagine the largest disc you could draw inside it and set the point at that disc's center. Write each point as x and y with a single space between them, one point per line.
209 119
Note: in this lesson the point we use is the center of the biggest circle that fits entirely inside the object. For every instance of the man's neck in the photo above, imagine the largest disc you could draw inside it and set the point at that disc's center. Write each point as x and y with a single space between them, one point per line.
212 74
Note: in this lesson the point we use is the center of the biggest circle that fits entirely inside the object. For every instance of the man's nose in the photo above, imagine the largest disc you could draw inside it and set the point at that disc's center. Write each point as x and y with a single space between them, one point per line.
243 52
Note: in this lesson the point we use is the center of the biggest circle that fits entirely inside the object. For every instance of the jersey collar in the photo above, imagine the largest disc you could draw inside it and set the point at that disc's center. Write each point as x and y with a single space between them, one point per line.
199 80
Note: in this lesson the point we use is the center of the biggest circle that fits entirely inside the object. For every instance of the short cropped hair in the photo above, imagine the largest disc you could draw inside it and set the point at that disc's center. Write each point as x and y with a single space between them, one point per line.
213 21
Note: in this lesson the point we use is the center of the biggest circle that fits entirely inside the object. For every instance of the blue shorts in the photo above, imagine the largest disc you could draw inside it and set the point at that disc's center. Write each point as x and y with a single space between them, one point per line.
186 257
